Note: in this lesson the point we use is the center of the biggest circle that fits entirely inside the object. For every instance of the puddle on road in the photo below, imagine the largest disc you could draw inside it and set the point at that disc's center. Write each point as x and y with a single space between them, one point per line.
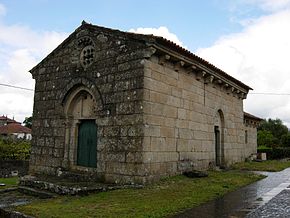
240 202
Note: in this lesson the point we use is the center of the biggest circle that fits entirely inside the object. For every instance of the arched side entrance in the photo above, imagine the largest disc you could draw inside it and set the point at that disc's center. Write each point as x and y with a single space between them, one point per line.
80 108
219 138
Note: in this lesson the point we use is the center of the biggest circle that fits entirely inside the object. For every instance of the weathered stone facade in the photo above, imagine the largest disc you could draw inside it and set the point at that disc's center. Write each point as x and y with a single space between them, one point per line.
157 108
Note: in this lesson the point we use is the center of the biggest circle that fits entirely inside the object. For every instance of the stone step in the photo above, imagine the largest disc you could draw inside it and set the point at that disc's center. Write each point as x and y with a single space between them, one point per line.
35 192
69 188
76 176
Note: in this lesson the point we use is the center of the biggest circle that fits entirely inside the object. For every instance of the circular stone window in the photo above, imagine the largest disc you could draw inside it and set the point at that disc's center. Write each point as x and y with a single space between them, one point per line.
87 56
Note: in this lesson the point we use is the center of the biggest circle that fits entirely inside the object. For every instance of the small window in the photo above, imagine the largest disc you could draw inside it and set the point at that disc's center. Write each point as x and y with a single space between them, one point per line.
246 137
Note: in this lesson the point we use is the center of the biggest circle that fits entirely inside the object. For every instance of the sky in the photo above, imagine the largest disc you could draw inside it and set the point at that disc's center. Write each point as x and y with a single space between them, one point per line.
248 39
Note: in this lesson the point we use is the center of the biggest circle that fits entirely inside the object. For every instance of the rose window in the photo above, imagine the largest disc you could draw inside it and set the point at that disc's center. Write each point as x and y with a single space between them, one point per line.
87 56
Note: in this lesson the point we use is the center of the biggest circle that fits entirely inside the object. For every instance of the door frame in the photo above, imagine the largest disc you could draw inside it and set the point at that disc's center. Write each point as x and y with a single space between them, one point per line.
218 149
219 139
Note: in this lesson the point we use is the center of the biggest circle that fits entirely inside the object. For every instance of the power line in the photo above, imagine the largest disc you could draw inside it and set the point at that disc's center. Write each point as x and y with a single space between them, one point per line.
252 93
16 87
268 93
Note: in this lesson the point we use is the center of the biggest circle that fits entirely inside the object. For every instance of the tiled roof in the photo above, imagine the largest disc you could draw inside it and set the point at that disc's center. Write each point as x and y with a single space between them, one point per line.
191 55
14 128
8 120
252 117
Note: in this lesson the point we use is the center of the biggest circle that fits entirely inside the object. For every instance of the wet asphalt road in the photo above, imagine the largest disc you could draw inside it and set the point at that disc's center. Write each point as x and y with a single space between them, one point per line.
251 200
278 207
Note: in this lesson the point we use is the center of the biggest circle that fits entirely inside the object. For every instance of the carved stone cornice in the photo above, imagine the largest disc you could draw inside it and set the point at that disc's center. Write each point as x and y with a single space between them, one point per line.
201 72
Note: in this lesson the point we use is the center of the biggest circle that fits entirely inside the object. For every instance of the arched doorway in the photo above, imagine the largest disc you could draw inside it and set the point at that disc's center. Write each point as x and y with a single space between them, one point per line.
81 128
219 138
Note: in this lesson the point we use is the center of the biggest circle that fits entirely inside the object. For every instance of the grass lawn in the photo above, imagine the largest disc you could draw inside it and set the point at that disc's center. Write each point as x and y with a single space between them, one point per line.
10 182
269 165
165 198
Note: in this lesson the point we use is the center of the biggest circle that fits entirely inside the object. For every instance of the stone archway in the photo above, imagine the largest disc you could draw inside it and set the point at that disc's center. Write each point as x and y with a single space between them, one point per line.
80 109
219 125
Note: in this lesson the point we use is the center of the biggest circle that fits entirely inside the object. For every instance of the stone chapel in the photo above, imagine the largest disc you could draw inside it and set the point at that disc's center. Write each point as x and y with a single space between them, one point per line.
132 108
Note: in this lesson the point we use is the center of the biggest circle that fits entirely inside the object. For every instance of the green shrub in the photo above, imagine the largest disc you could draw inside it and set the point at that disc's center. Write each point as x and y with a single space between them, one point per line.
280 152
285 140
263 147
275 153
14 149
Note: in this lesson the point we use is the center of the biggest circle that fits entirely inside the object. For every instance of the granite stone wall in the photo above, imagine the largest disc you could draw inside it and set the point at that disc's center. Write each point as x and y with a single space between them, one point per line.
180 113
250 139
115 81
155 116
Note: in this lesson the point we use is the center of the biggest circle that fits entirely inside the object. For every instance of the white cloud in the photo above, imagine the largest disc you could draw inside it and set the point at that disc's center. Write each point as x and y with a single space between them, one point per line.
271 5
161 31
259 56
243 7
2 10
21 48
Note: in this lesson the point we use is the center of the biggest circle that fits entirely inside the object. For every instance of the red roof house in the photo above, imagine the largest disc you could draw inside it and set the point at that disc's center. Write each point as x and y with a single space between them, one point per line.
10 127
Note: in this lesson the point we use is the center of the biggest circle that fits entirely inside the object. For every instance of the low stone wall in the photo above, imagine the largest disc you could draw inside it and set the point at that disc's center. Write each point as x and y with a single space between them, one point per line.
10 168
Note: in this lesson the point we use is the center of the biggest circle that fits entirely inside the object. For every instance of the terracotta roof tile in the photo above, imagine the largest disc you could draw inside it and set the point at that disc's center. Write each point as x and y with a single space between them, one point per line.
252 117
14 128
7 119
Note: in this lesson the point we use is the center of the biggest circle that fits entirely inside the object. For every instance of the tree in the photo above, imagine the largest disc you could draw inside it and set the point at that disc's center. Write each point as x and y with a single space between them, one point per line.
265 138
28 122
285 140
276 128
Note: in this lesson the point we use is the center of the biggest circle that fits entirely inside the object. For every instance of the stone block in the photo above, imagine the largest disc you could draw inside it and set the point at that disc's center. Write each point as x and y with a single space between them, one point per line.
176 92
167 132
182 124
170 122
155 85
158 144
171 81
148 157
134 157
154 120
186 133
169 111
181 113
146 143
115 157
111 131
151 130
182 145
173 101
125 108
158 97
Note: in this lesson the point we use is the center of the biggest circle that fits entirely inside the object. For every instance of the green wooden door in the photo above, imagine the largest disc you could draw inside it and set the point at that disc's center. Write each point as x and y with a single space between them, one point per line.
87 144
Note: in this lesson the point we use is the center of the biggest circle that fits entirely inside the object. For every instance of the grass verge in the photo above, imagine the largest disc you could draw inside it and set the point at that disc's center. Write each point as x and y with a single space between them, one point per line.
165 198
269 165
9 182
